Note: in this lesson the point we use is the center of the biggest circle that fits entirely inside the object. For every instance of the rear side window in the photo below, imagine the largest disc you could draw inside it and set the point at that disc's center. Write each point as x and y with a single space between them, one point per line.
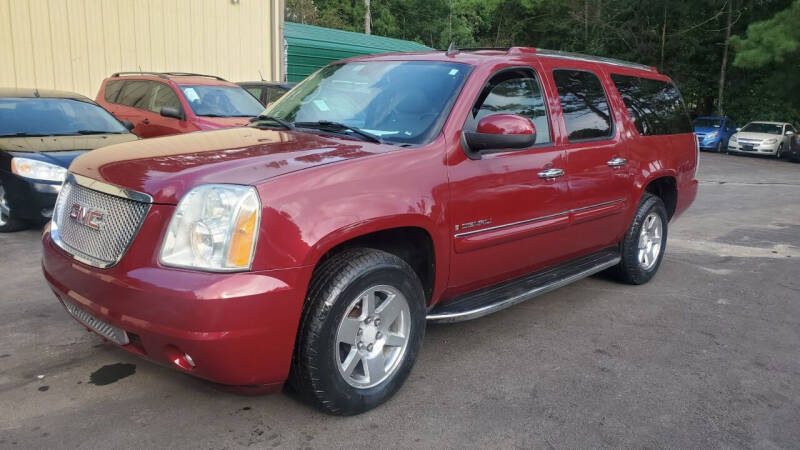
655 106
112 91
583 104
164 96
135 94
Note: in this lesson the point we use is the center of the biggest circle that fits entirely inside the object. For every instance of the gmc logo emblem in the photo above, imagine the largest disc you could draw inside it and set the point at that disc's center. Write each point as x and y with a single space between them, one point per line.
86 216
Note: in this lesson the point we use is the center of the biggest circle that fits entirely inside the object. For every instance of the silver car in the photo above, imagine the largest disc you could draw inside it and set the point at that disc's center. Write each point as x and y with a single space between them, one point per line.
763 138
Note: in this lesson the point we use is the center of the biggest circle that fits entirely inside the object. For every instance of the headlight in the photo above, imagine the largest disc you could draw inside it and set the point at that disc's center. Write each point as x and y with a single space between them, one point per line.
712 135
733 138
37 170
770 141
213 228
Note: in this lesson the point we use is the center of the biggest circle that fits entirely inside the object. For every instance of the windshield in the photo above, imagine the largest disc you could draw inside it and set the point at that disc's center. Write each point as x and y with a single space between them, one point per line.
708 123
54 117
399 101
769 128
221 101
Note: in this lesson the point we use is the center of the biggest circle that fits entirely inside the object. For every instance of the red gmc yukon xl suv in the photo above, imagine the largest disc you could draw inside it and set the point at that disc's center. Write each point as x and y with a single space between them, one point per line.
380 193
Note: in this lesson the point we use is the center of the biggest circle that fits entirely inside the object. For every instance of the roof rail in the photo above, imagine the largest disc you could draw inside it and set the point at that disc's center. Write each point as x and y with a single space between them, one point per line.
599 59
166 75
158 74
190 74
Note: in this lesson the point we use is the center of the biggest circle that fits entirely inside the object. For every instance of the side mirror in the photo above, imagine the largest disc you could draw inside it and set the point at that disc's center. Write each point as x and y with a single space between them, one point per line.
789 133
497 133
128 124
738 130
168 111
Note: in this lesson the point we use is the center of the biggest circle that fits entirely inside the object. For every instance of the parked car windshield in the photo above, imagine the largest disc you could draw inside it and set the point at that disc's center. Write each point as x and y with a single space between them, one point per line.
55 117
221 101
757 127
400 101
708 123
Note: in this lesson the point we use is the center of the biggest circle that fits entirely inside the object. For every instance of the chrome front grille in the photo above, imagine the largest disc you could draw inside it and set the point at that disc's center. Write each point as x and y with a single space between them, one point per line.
108 331
96 222
746 141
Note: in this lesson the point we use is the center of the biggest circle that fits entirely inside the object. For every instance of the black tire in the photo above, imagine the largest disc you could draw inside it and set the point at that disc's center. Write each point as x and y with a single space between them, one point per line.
334 286
719 147
779 153
629 269
9 223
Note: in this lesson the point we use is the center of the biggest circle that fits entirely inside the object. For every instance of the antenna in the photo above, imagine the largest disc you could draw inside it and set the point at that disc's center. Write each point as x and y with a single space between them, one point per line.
451 49
36 92
261 76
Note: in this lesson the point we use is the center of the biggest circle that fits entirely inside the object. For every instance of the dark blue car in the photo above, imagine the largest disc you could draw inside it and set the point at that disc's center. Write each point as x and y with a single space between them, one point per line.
41 132
713 133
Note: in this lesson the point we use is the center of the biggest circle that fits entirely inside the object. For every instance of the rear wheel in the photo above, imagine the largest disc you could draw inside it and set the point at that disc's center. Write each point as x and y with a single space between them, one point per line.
642 248
8 221
361 331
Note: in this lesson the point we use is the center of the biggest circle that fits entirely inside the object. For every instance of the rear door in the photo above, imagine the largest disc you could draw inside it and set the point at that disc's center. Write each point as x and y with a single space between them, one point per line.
599 178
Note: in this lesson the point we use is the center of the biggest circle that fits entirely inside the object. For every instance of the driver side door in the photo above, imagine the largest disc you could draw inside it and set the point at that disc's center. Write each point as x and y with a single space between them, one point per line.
507 209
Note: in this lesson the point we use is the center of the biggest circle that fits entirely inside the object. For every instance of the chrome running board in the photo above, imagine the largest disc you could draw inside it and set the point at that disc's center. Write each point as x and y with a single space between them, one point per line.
509 293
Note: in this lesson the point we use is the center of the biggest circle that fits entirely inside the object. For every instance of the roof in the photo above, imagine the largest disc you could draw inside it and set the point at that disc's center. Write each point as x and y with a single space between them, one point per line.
43 93
483 55
769 123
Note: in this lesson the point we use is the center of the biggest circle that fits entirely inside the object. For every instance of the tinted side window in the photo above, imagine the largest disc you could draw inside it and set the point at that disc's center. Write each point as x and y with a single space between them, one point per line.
274 93
584 104
112 90
163 95
135 94
255 91
655 106
514 92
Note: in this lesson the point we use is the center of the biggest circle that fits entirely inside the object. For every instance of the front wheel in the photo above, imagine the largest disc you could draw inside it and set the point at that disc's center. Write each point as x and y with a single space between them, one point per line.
642 248
361 330
779 153
8 220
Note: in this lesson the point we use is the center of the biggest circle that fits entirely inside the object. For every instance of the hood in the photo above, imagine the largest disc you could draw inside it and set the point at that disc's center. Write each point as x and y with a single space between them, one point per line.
62 143
168 167
706 130
213 123
761 136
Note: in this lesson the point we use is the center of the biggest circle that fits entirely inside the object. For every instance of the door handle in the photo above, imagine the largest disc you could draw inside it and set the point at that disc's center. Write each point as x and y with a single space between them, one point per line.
617 162
146 121
551 173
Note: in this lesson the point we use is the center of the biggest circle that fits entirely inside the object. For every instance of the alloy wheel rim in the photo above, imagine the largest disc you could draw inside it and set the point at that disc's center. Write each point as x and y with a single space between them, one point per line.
650 238
372 337
3 207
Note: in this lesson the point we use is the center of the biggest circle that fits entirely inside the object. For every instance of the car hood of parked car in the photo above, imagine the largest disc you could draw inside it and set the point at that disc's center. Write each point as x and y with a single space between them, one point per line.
706 130
213 123
757 136
62 143
168 167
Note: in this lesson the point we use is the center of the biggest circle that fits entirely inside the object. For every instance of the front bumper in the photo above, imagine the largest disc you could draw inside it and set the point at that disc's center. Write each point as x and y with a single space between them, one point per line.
237 328
770 149
28 199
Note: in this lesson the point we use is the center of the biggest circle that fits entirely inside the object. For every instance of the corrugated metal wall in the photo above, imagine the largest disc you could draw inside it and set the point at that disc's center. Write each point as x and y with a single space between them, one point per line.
73 44
312 47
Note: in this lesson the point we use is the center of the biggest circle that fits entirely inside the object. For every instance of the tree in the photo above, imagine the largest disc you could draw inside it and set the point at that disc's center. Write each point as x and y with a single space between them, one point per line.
770 41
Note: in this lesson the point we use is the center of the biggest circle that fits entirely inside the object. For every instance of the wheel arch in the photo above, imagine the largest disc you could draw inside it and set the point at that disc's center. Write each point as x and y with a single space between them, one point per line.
664 186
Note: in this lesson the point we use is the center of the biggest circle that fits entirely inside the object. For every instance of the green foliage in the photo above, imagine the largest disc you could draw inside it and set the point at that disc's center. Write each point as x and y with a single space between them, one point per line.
770 41
757 84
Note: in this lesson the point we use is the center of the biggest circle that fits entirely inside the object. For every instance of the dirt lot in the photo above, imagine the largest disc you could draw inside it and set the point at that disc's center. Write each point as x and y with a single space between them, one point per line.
706 355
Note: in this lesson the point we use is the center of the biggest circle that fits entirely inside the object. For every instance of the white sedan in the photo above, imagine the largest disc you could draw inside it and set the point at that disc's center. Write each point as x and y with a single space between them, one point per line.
763 138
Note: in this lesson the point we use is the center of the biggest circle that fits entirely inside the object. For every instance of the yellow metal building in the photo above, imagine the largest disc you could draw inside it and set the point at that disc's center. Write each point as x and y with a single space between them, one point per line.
73 44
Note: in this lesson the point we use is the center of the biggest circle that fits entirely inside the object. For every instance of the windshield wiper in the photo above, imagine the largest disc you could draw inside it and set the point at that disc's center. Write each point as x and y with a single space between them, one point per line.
338 126
96 132
25 135
284 123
